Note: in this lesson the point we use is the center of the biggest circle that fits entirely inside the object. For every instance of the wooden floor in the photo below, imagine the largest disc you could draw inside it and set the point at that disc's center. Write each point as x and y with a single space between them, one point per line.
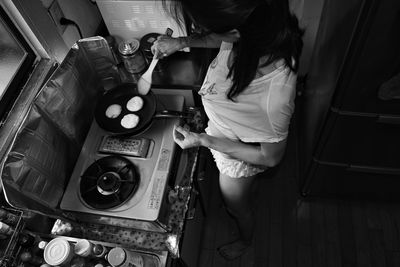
291 231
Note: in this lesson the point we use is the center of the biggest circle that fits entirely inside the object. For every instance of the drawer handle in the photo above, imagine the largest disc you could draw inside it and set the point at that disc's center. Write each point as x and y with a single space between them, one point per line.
368 169
388 119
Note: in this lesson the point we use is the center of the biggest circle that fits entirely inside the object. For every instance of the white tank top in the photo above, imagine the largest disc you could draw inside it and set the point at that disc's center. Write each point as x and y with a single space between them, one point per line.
261 113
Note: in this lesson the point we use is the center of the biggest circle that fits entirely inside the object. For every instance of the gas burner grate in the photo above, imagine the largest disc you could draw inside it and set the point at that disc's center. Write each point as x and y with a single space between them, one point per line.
108 182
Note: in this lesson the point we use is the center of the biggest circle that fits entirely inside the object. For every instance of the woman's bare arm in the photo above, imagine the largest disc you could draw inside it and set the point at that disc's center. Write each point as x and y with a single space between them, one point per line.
207 41
265 154
166 45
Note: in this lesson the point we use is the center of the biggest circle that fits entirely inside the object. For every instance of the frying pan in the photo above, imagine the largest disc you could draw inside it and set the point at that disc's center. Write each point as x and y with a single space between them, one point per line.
120 95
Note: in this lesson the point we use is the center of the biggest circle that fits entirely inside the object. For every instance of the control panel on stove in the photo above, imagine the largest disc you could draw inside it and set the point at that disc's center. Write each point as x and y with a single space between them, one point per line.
130 146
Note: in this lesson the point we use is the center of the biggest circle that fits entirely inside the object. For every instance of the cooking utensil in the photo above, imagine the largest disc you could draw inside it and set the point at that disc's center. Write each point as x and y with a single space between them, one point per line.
120 95
145 80
144 83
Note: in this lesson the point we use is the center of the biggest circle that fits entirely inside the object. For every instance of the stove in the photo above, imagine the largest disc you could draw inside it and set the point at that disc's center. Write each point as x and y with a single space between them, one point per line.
122 180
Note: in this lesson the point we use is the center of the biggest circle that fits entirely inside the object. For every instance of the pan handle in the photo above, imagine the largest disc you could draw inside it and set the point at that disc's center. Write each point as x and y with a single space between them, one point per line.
173 114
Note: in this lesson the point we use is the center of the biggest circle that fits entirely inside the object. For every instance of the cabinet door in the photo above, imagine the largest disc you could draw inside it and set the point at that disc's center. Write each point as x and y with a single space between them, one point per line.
360 139
370 79
331 179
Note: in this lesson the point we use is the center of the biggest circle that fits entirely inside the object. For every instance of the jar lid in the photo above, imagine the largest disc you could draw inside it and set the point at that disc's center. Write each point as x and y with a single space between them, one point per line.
128 47
116 256
58 251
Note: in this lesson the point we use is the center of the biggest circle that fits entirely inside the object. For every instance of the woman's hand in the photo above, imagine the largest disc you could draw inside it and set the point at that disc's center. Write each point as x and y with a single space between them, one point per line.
185 138
166 45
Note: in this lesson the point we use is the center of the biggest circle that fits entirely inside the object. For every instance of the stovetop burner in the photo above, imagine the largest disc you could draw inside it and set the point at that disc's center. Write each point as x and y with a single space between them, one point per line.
108 182
108 191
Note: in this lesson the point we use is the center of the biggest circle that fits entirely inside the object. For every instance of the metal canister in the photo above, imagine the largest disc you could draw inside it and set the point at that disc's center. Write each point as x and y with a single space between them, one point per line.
119 257
132 56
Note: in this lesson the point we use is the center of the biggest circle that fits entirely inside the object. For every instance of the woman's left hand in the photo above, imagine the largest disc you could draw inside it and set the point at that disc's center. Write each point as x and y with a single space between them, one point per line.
185 138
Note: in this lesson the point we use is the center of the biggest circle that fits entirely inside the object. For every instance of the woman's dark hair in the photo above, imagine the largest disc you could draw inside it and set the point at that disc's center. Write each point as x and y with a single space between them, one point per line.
266 27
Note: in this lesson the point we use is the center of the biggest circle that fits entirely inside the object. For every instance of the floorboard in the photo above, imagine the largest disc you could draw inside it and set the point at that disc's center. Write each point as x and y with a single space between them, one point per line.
292 231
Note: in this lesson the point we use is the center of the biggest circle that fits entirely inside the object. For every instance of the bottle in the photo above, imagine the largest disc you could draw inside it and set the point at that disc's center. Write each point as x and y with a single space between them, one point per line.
119 257
99 251
83 248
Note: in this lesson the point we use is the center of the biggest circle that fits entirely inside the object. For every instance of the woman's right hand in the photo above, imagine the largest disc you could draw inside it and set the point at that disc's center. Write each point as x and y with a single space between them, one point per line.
166 45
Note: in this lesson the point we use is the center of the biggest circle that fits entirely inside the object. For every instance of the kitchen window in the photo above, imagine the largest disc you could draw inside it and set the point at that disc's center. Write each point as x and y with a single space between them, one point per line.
16 62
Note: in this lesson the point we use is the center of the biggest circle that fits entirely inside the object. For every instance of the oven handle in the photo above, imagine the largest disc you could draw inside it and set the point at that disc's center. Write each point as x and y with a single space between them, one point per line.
173 114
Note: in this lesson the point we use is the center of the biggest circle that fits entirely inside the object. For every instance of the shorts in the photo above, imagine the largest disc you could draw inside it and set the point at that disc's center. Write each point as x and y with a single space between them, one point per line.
234 168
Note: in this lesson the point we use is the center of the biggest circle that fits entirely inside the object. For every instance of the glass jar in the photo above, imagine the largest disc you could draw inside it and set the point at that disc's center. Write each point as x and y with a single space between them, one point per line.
132 56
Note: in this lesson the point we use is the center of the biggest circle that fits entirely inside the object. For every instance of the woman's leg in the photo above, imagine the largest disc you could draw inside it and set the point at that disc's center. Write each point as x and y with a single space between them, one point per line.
236 193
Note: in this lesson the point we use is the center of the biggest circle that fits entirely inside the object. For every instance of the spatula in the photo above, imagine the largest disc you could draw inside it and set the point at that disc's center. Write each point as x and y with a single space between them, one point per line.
144 83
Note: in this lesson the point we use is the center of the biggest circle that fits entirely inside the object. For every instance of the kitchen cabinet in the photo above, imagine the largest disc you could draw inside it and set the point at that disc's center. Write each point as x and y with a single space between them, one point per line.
351 142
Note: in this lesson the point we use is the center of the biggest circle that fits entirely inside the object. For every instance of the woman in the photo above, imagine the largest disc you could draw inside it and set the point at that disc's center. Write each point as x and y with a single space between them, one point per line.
248 93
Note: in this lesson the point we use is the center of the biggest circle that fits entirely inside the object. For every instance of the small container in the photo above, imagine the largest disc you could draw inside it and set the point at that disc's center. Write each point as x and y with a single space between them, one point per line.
119 257
83 248
58 252
132 56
